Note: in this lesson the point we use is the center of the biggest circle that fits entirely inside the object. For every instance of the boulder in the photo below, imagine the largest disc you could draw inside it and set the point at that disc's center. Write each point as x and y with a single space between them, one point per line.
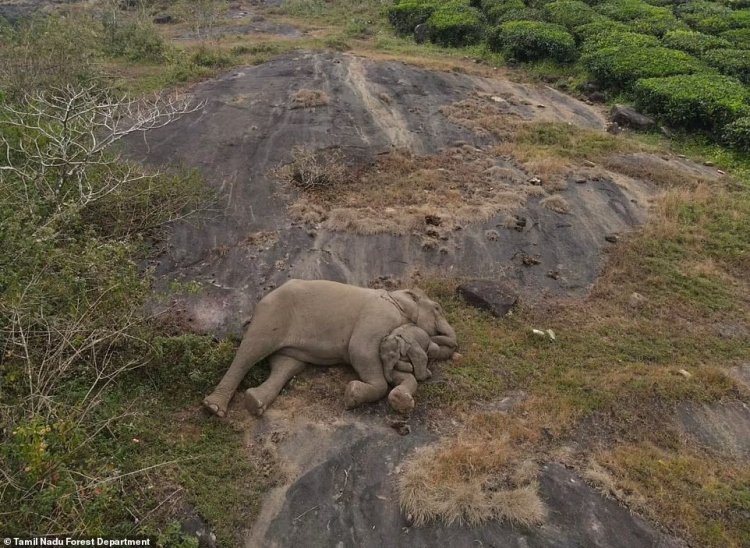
163 19
625 116
488 295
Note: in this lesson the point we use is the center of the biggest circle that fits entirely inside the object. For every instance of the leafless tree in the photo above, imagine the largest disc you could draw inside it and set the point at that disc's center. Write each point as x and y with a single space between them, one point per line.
61 154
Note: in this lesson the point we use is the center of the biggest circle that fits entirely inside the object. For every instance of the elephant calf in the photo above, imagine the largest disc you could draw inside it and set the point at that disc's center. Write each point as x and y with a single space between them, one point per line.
327 323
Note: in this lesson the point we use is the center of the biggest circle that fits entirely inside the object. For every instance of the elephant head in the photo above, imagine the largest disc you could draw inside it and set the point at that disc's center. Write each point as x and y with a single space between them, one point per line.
428 315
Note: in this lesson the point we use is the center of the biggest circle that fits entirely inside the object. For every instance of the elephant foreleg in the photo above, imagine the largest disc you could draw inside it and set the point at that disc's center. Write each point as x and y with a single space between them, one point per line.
283 368
401 398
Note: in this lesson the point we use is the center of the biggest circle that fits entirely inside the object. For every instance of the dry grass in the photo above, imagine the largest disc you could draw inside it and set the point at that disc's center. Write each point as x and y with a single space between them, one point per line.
308 98
401 191
659 171
556 203
470 483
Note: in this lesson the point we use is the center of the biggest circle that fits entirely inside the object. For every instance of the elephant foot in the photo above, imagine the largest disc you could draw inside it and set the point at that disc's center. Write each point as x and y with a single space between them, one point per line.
400 400
351 396
214 407
253 403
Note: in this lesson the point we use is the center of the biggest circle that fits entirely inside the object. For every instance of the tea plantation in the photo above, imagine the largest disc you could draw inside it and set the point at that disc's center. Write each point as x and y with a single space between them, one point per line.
686 63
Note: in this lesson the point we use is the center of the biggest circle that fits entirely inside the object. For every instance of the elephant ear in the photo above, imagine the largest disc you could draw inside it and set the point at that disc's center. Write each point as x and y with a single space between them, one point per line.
407 300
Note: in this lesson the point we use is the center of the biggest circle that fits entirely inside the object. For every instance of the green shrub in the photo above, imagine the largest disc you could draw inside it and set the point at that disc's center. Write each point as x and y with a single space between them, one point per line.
36 54
495 9
455 24
134 40
620 67
733 62
619 39
406 15
640 16
737 134
211 58
695 43
532 40
693 101
524 14
569 13
603 25
693 13
727 21
738 37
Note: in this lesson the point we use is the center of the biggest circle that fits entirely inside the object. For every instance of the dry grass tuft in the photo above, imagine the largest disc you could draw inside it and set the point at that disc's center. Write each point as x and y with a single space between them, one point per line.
315 170
309 98
483 474
430 492
556 203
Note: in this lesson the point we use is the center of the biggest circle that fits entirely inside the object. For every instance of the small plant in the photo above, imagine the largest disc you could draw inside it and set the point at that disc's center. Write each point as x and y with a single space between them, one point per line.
532 40
315 170
455 24
697 101
211 57
732 62
620 67
309 98
737 134
694 43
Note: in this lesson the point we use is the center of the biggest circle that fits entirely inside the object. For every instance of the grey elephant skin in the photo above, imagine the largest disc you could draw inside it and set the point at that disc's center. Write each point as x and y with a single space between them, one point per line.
327 323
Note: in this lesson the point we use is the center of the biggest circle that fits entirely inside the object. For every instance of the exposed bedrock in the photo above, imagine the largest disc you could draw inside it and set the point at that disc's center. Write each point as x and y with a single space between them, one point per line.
251 244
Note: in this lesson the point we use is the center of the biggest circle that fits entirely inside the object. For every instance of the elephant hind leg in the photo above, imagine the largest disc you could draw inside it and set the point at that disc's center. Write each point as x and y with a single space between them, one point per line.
283 368
255 346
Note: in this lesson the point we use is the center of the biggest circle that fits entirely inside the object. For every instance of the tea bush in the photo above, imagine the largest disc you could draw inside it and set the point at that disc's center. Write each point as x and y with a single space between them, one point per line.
455 24
733 62
620 67
495 9
694 43
523 14
530 40
695 101
569 13
406 15
737 134
640 16
740 38
619 39
602 25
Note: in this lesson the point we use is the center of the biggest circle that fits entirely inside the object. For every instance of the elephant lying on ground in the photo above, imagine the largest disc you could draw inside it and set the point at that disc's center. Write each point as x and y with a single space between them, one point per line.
327 323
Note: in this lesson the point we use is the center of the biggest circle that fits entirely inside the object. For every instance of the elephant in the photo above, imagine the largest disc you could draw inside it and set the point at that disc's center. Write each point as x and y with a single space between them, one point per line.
322 322
407 349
